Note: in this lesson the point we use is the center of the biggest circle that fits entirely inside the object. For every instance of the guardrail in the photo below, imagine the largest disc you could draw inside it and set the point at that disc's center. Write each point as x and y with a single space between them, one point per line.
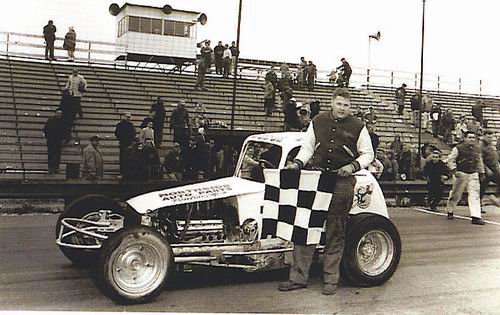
100 52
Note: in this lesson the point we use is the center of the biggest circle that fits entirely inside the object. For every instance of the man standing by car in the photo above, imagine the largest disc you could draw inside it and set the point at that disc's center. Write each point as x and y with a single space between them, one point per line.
341 144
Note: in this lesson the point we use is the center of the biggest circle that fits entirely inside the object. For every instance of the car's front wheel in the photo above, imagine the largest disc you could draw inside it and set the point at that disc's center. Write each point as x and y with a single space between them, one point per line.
372 251
134 265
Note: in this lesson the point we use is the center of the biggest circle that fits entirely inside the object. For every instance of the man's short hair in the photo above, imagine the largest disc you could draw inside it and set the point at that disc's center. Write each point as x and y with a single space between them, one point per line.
469 132
404 85
343 92
489 132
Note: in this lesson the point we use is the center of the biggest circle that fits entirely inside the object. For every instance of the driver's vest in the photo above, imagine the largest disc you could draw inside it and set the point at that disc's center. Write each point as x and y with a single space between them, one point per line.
336 141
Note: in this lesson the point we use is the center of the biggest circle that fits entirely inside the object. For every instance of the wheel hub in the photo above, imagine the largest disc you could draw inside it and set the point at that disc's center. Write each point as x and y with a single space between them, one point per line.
375 252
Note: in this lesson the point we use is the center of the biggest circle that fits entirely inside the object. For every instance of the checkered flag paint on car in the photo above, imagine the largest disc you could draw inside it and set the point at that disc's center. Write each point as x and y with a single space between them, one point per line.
296 204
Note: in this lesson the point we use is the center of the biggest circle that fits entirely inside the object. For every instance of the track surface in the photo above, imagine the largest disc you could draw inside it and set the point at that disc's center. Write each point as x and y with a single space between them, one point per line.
447 267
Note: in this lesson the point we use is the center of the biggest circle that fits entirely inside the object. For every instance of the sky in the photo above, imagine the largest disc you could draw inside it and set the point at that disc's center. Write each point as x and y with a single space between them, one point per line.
460 37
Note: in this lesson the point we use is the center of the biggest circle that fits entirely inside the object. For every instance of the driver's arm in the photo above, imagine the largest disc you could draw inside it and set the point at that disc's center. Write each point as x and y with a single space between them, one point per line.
365 150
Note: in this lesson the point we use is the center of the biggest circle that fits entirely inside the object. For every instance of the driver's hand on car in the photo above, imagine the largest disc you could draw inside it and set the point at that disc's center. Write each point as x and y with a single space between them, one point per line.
292 166
346 170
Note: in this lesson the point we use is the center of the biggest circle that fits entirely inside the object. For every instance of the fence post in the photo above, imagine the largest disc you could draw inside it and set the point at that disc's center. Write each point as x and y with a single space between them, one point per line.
480 87
368 79
459 85
392 78
8 37
90 46
416 79
439 81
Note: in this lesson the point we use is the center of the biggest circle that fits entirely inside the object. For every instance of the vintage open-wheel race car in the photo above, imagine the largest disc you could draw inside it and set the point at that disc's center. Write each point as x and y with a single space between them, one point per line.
134 248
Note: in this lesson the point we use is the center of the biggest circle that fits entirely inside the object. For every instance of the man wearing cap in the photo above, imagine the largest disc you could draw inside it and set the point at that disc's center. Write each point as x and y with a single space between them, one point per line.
339 143
400 98
92 160
466 164
54 133
180 123
489 155
125 133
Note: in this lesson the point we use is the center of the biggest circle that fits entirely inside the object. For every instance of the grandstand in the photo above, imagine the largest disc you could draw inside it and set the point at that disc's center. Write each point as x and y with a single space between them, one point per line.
31 89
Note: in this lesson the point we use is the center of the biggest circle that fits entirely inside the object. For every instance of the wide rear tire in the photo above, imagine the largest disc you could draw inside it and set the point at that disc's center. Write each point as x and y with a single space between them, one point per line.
372 251
134 265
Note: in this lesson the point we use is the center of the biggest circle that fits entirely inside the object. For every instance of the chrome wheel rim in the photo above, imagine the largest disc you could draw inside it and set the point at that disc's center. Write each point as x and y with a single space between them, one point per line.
137 267
375 252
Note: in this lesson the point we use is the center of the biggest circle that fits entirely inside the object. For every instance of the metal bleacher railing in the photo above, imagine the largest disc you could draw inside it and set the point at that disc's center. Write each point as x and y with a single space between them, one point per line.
105 53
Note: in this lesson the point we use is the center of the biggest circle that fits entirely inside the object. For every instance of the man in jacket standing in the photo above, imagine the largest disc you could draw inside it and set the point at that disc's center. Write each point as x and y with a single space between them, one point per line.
54 133
340 144
180 123
218 53
158 108
93 162
125 133
49 34
466 164
269 97
76 85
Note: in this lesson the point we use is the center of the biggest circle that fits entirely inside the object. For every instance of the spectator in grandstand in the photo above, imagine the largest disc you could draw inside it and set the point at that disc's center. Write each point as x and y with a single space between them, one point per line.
400 95
300 77
49 34
269 97
172 164
53 131
153 167
477 112
227 58
447 124
180 123
70 43
346 72
292 121
436 172
76 86
93 162
475 127
395 163
359 113
202 71
435 119
147 133
272 77
426 110
311 73
200 154
235 52
285 71
406 163
200 116
332 77
218 55
68 114
125 133
467 167
415 108
147 120
159 114
286 94
461 128
397 146
206 55
373 136
370 117
315 108
388 172
489 155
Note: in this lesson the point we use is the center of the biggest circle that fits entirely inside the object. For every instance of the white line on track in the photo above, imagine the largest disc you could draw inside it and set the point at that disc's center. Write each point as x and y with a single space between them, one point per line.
455 215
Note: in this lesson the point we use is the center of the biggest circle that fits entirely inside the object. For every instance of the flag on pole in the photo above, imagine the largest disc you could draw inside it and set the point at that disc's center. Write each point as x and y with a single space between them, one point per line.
296 204
375 36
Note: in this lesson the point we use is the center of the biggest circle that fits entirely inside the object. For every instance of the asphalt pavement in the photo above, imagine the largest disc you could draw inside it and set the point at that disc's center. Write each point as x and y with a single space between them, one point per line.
447 267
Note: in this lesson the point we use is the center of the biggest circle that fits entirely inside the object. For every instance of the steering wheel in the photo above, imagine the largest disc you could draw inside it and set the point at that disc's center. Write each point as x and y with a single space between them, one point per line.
265 163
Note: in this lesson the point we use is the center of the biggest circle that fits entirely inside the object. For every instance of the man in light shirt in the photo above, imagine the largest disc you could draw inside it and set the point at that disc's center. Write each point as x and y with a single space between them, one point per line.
341 144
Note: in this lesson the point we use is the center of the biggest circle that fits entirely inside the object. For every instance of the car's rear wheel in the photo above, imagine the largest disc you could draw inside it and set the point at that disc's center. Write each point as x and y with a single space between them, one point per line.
87 208
134 265
372 251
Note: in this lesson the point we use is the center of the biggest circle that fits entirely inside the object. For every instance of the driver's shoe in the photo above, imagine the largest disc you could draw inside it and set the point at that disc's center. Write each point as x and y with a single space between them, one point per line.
291 286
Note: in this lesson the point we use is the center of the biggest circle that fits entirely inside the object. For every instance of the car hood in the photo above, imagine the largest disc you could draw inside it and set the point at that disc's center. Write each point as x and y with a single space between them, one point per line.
210 190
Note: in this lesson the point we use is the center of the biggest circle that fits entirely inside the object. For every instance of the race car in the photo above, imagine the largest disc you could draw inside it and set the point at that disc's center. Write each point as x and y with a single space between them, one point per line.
134 248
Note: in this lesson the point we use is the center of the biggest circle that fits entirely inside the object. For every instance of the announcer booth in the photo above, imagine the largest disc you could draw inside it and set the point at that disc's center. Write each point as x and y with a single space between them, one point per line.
157 34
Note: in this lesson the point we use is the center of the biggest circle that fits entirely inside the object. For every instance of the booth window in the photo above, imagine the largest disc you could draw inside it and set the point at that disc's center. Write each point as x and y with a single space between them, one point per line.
133 23
156 26
146 25
174 28
122 26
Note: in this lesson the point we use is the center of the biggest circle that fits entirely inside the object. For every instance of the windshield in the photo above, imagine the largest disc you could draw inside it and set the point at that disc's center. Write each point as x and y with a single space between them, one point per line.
257 156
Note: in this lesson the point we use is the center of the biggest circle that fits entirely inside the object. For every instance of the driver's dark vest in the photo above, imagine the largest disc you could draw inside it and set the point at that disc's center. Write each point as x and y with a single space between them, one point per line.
336 140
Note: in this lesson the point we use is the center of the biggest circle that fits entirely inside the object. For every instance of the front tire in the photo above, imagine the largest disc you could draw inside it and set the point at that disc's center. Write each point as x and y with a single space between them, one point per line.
134 265
372 251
